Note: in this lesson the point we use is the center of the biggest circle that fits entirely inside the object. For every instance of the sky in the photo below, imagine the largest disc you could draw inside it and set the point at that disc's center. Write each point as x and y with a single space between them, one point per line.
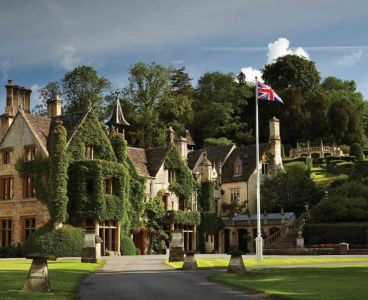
41 40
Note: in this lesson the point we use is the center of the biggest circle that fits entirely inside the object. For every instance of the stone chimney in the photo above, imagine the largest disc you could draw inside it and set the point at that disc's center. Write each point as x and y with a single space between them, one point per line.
17 97
275 144
181 145
170 136
206 168
54 107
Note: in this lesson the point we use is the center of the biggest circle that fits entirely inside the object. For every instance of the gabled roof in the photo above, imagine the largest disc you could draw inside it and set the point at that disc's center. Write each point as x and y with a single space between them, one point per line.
248 156
214 154
139 160
155 158
40 126
147 161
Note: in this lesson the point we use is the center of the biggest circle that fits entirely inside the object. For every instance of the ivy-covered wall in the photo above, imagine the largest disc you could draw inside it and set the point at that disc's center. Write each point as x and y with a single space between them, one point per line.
185 184
91 133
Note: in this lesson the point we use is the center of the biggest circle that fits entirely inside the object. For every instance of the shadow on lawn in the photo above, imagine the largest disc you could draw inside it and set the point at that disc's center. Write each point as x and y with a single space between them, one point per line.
64 284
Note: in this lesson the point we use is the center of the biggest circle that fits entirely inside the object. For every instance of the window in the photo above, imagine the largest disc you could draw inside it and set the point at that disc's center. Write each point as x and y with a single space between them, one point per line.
108 186
29 152
165 199
5 232
238 166
234 194
181 203
29 226
6 154
28 191
89 152
172 176
6 187
264 169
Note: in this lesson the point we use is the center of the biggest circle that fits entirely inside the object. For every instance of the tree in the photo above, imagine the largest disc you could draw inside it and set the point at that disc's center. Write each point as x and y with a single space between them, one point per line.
356 150
160 97
83 87
46 93
291 71
219 105
290 190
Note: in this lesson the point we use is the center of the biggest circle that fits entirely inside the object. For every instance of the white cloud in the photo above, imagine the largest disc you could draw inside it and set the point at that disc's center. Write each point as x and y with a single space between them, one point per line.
69 58
353 58
281 47
177 62
251 73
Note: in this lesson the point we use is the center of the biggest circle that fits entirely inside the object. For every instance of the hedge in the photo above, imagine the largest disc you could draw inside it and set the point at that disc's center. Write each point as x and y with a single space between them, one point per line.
360 169
127 246
11 251
351 233
339 167
66 241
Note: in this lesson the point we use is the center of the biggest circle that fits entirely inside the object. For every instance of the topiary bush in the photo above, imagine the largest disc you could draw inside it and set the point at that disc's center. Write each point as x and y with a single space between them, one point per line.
127 246
356 150
62 242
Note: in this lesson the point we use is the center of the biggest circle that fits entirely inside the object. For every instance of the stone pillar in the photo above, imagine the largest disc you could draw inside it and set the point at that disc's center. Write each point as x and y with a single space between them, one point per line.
236 264
38 275
190 262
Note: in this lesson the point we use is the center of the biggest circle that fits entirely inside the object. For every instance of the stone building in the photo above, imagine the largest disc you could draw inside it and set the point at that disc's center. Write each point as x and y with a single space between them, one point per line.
25 137
234 170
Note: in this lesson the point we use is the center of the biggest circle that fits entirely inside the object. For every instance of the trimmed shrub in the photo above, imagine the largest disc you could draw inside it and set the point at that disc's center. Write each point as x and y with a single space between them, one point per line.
10 251
127 246
356 150
351 233
359 170
65 241
308 163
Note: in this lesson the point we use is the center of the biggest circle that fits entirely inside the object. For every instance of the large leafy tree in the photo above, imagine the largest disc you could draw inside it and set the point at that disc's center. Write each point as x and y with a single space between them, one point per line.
219 105
79 89
159 97
83 87
291 71
290 190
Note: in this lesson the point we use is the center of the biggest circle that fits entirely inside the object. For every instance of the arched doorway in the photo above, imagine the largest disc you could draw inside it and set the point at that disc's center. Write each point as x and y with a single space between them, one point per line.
243 240
226 240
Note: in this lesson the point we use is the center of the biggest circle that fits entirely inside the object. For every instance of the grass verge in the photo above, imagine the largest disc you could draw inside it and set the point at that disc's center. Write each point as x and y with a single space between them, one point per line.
250 262
328 283
65 277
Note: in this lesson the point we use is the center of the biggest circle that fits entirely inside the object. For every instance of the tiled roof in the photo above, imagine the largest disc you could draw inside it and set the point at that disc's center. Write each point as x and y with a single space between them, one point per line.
40 127
139 159
214 154
71 122
248 155
117 116
253 217
155 159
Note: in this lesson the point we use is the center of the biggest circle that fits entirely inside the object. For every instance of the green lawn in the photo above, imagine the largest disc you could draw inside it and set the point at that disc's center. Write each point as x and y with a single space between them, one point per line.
65 276
272 261
323 178
330 283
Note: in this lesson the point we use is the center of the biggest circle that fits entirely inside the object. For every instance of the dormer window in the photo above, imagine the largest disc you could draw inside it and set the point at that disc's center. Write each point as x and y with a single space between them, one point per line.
29 152
238 166
89 152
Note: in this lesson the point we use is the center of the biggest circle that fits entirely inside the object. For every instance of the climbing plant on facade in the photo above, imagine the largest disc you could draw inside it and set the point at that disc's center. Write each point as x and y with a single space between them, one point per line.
185 184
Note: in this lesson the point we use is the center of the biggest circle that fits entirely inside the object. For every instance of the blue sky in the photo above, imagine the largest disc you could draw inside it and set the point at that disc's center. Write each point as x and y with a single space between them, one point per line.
43 39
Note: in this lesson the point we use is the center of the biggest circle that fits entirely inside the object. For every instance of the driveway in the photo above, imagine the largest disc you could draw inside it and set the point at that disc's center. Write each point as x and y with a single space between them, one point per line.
147 277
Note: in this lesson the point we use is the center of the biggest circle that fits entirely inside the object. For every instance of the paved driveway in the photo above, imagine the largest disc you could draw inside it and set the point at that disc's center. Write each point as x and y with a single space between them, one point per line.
146 277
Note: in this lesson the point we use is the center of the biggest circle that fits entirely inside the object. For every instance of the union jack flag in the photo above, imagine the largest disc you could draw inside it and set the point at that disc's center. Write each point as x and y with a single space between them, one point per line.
265 92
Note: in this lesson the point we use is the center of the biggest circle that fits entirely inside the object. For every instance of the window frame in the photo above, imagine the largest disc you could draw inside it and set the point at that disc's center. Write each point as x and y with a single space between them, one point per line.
6 187
28 230
8 228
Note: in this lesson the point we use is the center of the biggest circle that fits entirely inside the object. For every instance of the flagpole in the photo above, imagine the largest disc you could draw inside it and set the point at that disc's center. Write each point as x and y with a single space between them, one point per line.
259 240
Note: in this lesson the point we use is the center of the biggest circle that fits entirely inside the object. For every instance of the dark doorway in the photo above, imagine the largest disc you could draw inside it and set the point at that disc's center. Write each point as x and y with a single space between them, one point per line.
227 240
243 240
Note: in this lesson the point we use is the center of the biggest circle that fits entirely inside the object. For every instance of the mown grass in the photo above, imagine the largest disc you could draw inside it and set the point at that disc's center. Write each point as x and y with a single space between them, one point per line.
250 262
65 276
323 178
328 283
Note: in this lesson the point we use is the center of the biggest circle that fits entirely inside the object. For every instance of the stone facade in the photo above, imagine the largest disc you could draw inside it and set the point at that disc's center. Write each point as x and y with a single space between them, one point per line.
21 206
